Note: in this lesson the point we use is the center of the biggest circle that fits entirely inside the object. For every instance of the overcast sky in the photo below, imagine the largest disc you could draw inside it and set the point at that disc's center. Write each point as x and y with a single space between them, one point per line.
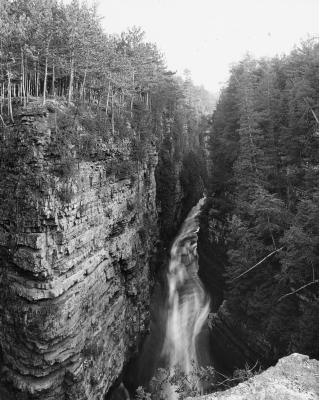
206 36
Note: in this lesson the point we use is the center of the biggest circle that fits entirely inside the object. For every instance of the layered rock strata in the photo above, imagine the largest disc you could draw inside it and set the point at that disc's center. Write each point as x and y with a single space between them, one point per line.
75 244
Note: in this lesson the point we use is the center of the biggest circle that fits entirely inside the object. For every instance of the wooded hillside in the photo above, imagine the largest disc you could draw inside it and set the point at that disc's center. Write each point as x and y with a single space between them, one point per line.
49 49
265 190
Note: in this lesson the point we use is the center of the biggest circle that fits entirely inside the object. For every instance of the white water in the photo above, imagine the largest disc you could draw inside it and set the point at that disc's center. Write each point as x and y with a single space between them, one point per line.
188 304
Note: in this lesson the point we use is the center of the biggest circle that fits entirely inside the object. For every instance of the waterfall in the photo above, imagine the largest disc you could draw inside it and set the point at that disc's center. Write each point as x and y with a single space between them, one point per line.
178 335
188 304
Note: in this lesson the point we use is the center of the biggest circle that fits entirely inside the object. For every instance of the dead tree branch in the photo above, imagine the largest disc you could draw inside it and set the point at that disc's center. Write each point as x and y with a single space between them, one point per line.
3 121
297 290
256 265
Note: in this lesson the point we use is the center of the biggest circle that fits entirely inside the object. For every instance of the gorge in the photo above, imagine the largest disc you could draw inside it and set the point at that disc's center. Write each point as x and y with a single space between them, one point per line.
114 269
188 304
178 342
75 250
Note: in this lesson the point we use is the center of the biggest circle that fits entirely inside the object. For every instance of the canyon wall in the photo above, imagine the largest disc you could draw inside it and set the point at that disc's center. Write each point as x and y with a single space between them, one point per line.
76 238
85 221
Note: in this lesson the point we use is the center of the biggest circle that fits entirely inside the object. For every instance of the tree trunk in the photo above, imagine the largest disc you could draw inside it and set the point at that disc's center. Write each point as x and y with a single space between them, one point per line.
108 98
83 86
37 80
71 80
45 79
132 100
53 81
2 98
9 96
29 87
23 90
45 82
21 77
112 104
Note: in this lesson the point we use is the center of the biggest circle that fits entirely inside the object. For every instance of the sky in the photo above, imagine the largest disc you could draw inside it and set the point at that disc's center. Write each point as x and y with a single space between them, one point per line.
208 36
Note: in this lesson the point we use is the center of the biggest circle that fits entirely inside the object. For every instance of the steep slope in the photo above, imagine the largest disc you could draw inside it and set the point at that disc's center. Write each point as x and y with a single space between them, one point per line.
84 223
75 249
264 209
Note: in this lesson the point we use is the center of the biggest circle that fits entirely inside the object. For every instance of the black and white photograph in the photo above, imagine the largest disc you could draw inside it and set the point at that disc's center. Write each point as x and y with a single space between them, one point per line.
159 199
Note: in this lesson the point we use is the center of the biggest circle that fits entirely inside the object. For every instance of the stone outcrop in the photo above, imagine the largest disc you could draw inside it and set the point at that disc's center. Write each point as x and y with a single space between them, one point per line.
75 243
293 378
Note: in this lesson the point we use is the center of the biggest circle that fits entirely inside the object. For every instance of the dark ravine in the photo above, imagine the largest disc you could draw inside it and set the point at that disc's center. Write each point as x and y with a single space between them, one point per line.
110 264
79 248
83 250
157 347
175 198
83 258
232 345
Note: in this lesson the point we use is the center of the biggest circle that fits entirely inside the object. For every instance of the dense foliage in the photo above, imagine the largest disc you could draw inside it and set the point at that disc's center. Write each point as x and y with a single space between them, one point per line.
51 49
265 191
200 381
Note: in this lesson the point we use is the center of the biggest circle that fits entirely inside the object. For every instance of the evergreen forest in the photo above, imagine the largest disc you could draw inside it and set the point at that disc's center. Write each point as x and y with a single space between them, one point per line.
265 194
52 50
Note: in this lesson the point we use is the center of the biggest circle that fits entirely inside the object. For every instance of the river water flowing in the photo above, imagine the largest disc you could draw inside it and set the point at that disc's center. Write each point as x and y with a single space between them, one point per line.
179 337
188 304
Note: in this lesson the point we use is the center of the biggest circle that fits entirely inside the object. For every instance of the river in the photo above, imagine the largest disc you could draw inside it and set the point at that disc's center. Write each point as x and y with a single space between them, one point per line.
188 304
178 339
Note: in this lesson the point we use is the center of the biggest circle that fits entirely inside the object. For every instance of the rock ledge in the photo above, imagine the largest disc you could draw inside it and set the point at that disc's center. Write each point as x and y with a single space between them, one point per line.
295 377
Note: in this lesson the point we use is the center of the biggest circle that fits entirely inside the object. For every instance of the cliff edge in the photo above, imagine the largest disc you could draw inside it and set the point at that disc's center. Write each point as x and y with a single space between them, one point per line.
76 236
295 377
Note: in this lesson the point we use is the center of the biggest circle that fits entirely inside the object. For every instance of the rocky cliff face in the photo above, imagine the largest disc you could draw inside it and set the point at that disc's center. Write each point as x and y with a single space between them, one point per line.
293 378
75 245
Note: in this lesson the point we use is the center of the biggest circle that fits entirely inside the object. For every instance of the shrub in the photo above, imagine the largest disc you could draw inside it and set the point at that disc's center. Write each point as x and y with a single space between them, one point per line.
65 194
201 380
